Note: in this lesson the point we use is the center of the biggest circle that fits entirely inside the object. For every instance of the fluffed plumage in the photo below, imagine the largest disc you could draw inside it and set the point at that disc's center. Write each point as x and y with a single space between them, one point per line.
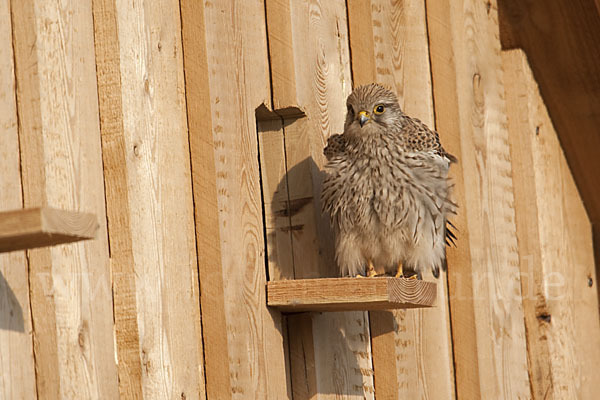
386 188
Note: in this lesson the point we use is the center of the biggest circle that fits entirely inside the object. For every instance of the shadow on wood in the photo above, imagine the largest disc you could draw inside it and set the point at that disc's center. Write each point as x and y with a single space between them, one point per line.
329 353
11 312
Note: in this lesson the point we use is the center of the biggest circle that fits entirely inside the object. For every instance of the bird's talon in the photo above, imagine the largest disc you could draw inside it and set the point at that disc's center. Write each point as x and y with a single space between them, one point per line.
371 270
399 272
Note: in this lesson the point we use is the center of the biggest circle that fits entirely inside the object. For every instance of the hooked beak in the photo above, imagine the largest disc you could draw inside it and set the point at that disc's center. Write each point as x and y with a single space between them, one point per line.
363 118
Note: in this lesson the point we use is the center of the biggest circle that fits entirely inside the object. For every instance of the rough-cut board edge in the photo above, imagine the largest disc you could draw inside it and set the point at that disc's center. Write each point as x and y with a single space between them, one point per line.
39 227
350 294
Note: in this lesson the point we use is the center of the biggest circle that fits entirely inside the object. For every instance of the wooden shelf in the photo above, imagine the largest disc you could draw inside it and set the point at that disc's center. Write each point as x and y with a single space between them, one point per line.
38 227
350 294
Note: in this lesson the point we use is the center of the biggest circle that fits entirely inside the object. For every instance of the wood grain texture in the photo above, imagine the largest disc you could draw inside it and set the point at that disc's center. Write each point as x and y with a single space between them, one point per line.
39 227
110 106
392 48
345 294
321 81
362 42
485 291
560 38
238 82
17 373
206 207
152 149
282 66
302 353
555 245
278 223
61 163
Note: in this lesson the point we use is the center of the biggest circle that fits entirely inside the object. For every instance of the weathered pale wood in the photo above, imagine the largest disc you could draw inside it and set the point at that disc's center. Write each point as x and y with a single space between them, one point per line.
382 326
71 297
283 79
320 81
555 245
443 70
312 350
362 42
206 207
154 190
392 48
344 294
244 343
302 353
484 286
17 373
280 256
110 105
38 227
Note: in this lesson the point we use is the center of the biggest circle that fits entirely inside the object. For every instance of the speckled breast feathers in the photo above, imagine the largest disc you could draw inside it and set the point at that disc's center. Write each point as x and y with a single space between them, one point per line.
386 188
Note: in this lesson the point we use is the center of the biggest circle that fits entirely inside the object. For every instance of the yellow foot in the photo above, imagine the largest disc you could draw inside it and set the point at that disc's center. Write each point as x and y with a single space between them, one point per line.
399 272
371 270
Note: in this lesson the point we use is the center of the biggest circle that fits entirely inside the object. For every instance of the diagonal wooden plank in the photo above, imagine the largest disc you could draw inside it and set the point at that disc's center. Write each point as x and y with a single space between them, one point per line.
564 61
555 245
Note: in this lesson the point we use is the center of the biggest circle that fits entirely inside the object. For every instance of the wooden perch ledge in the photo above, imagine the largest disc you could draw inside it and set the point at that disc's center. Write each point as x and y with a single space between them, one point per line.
350 294
38 227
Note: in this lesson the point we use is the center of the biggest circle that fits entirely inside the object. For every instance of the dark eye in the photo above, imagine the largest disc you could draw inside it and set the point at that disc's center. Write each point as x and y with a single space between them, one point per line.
379 109
350 110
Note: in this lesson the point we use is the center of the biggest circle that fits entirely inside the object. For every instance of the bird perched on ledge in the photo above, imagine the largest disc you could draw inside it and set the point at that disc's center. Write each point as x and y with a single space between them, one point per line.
386 190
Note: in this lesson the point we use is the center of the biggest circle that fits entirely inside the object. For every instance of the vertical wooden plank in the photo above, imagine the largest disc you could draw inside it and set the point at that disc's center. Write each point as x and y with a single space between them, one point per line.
460 280
62 167
17 374
152 151
302 355
422 364
484 287
238 82
329 353
280 43
206 207
555 245
278 225
521 117
117 202
362 42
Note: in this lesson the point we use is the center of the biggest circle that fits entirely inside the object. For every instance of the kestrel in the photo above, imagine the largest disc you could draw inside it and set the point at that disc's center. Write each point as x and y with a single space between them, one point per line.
386 189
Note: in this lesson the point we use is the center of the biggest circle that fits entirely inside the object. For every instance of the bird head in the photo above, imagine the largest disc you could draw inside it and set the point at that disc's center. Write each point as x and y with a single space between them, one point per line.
370 108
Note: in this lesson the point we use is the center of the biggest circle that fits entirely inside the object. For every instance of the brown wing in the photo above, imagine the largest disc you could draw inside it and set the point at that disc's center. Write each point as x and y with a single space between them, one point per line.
335 146
420 138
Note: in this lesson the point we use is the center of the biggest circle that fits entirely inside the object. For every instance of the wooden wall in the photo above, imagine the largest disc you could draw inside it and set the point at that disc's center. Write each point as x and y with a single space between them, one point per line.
194 131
